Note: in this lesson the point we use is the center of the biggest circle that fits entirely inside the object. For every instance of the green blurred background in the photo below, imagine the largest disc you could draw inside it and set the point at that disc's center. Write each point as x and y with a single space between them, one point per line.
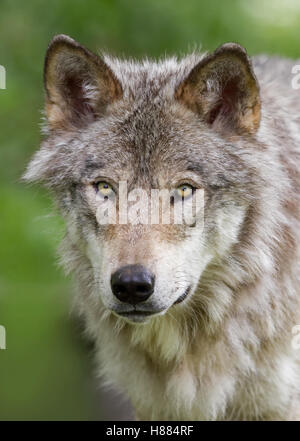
45 372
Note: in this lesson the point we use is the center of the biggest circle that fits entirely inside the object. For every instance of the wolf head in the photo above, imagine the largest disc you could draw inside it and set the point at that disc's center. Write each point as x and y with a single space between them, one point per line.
172 125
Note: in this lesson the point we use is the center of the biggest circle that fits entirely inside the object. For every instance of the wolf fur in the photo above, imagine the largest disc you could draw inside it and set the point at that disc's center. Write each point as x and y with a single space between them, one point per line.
232 125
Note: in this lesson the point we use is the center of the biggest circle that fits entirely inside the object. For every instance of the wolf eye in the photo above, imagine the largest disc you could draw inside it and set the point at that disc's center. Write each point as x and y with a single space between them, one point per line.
104 189
184 191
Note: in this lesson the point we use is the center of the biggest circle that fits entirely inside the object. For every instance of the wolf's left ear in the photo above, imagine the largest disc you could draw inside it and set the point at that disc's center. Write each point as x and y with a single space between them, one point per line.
223 90
79 85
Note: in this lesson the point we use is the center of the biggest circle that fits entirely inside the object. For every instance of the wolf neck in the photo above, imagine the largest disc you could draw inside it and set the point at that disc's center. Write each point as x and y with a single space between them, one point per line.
172 355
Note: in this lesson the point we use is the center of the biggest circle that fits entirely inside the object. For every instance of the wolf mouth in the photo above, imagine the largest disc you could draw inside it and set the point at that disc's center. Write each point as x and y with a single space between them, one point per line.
183 296
138 316
137 312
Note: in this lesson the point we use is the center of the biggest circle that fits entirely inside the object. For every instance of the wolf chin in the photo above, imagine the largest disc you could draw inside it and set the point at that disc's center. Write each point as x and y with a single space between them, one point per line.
192 323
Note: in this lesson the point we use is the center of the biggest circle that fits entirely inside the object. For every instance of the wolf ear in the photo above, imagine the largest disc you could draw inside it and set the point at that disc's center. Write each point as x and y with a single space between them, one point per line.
79 85
223 90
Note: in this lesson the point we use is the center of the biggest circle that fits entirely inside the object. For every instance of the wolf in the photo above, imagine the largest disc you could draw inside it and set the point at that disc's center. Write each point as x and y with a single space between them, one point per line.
191 323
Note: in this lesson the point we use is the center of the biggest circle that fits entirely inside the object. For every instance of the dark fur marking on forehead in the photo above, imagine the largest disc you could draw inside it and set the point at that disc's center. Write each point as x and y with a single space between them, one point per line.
92 167
92 164
195 167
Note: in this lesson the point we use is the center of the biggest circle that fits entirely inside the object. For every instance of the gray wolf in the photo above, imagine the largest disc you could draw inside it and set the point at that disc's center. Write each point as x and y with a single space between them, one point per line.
192 323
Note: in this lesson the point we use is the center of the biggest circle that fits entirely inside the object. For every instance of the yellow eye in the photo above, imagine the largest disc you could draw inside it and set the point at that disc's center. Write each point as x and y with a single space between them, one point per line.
184 191
104 189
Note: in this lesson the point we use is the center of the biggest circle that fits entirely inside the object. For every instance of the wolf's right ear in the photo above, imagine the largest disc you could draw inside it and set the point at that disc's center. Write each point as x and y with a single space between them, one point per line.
79 84
223 90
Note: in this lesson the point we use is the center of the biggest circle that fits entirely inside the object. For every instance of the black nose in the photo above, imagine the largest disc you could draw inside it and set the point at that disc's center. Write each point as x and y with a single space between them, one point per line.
132 284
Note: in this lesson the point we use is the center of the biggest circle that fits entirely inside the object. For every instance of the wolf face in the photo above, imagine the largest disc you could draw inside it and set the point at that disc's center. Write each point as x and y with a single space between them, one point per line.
177 126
